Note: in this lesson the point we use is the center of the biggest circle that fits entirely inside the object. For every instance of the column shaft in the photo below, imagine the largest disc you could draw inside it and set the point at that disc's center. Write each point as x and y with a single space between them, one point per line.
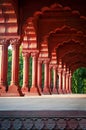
55 79
3 65
46 89
67 81
60 76
64 79
70 83
25 87
50 68
34 89
64 83
60 81
15 65
14 88
39 80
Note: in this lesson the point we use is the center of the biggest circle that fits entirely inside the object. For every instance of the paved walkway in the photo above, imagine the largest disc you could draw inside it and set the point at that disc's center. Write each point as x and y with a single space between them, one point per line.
45 102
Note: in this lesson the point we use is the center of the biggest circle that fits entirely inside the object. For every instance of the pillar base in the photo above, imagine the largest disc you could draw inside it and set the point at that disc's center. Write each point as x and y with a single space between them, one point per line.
25 89
40 90
2 90
67 91
60 91
34 91
46 91
54 91
14 90
64 91
70 91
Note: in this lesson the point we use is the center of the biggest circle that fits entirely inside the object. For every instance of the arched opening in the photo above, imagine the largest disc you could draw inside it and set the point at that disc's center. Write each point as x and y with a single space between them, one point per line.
79 80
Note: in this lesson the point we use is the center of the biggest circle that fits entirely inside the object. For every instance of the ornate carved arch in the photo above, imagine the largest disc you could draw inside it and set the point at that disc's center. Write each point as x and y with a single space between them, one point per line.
56 16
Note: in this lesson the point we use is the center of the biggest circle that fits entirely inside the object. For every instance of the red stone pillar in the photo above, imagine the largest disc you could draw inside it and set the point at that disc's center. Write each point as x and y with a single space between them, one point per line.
34 89
60 77
39 80
25 87
55 80
50 68
14 89
3 65
67 81
46 89
64 79
70 83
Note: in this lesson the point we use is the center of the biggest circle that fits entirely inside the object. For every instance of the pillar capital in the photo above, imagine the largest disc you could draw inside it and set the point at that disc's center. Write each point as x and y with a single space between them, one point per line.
64 69
14 42
59 70
39 60
50 66
4 42
25 54
55 67
34 54
70 73
46 61
67 72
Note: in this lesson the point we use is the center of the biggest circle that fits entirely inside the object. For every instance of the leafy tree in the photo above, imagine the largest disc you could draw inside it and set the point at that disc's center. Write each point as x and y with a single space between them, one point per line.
79 81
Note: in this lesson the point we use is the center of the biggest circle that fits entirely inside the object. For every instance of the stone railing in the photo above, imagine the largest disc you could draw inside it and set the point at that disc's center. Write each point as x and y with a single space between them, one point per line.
42 120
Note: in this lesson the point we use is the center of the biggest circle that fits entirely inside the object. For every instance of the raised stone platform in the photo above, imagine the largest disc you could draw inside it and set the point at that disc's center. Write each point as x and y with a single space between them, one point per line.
63 112
44 102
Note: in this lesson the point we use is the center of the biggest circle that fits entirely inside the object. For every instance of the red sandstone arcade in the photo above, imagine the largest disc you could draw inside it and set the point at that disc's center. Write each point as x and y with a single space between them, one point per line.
53 35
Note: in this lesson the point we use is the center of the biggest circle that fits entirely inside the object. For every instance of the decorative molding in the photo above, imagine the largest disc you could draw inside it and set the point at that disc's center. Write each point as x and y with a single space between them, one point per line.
43 119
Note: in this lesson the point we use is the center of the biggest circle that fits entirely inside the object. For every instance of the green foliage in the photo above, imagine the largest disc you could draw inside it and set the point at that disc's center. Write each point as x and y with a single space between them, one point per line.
79 81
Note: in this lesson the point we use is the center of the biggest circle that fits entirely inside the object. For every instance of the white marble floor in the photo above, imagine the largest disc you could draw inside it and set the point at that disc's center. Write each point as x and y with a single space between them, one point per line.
44 102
